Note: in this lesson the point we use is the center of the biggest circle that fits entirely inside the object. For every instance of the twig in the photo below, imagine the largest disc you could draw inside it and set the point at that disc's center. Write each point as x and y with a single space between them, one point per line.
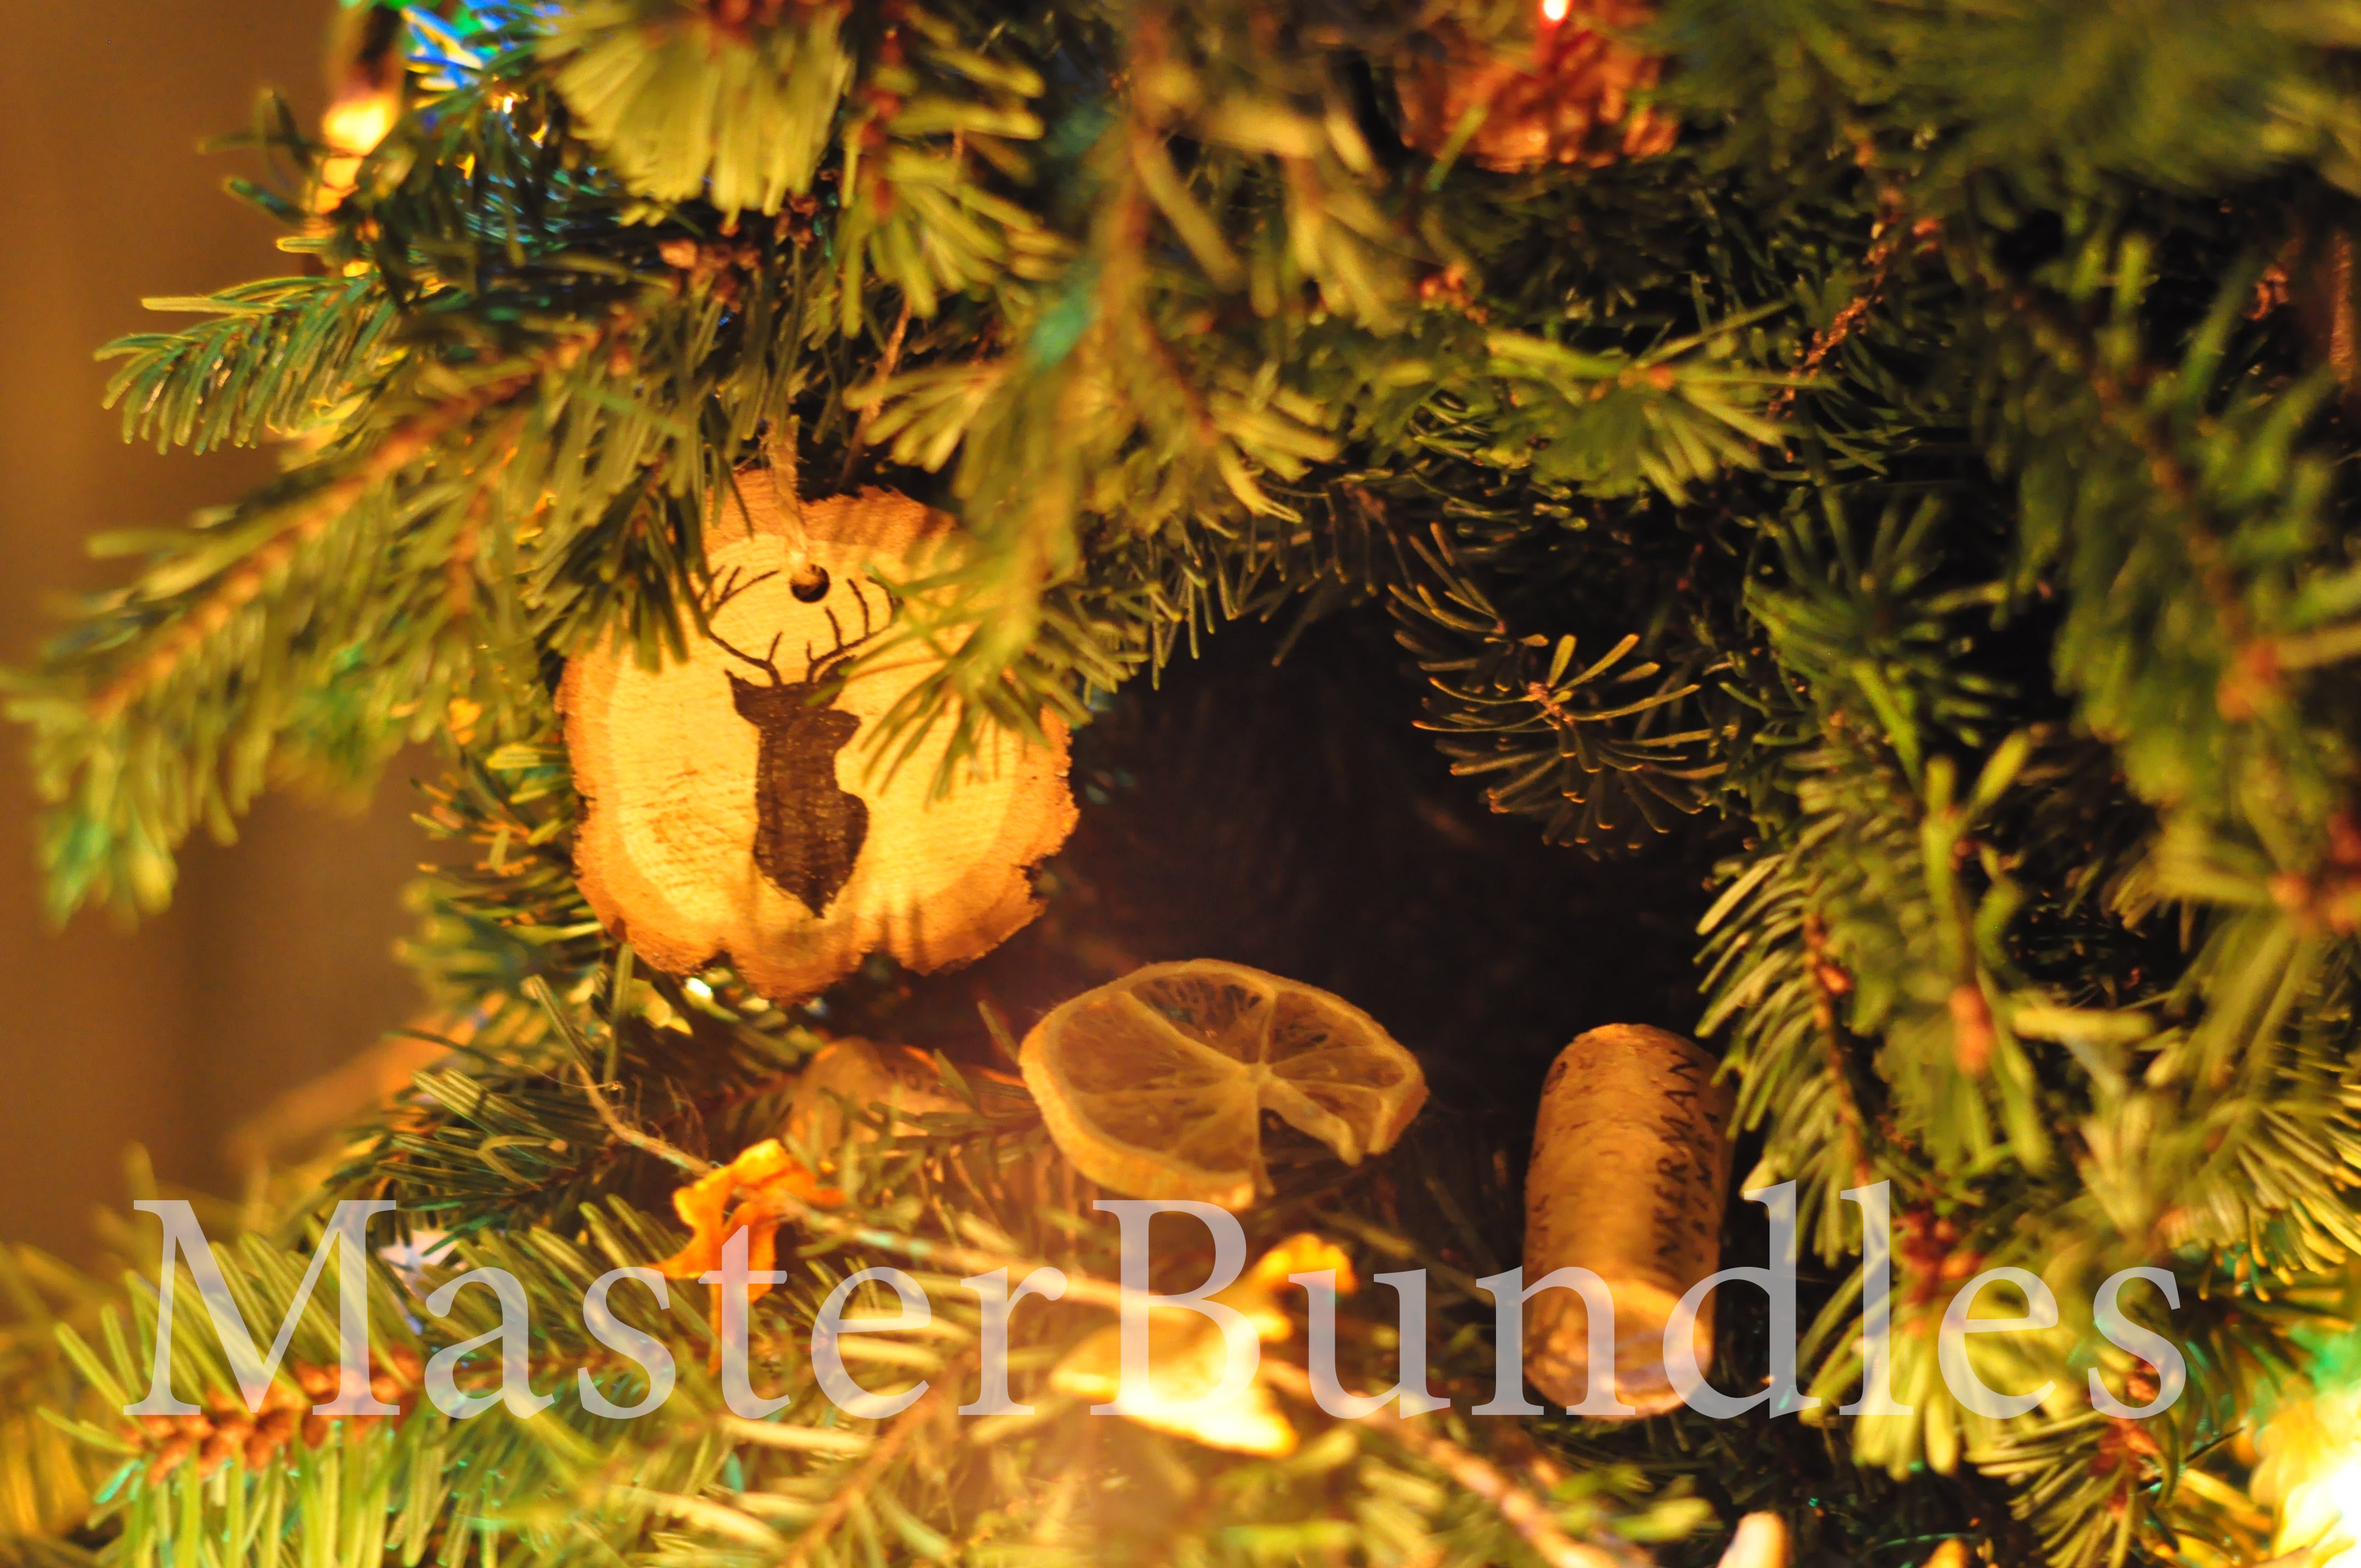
1840 326
856 1486
402 446
1830 982
1524 1512
459 566
579 1049
886 364
974 1260
647 1143
1855 311
940 1255
2252 680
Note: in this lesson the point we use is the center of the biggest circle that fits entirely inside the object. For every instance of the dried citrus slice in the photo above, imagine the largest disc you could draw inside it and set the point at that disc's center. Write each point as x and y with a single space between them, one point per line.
1155 1085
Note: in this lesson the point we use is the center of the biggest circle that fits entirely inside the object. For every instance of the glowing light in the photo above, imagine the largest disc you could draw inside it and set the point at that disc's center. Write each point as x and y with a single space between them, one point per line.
1553 11
2324 1508
1761 1538
2310 1452
356 124
352 127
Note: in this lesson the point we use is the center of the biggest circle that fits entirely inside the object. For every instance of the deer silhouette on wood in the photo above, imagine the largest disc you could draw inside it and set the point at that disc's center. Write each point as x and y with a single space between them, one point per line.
808 830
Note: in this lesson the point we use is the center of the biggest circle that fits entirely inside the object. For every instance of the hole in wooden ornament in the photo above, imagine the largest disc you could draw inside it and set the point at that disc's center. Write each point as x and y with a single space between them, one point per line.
809 583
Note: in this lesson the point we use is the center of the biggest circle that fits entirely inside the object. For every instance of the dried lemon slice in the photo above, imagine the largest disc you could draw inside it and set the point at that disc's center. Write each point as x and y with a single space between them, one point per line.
1155 1085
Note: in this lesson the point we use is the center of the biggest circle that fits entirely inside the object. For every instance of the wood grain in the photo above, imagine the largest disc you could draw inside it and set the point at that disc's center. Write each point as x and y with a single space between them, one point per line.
1630 1176
685 777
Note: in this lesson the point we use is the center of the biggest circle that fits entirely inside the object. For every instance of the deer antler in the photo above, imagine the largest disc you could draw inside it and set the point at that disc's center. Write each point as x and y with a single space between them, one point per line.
730 588
825 665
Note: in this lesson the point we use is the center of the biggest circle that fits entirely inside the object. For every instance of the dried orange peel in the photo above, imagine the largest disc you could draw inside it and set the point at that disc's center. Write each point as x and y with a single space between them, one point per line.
1155 1085
759 1191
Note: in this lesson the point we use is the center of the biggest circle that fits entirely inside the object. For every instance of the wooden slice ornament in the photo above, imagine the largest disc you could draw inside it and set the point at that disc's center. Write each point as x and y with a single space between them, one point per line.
731 811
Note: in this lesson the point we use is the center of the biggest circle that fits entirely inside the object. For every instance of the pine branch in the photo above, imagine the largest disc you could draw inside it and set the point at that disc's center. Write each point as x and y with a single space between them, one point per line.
278 356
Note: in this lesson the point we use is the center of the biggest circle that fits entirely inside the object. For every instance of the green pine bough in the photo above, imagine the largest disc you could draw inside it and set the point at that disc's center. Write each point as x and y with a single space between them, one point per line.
1918 498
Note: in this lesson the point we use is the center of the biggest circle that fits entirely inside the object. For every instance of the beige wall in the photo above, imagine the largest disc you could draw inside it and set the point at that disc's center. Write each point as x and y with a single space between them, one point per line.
276 962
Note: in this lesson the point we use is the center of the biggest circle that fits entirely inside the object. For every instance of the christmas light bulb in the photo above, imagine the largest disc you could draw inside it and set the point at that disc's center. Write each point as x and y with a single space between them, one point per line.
1761 1541
351 129
356 124
366 66
1553 11
2311 1466
2324 1508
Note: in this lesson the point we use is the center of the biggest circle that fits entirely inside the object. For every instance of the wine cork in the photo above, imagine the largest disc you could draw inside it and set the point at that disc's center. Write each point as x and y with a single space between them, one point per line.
1630 1175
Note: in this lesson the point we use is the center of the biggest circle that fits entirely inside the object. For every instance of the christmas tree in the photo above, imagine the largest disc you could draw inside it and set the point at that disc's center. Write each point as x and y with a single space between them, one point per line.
1815 525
